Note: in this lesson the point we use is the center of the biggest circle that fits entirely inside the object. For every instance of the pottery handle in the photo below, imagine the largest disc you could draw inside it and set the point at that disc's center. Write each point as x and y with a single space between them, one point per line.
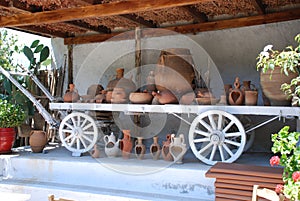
105 138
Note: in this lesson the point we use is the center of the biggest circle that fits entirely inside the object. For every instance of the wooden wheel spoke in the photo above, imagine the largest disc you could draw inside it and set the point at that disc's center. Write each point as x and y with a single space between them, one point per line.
89 132
235 134
72 142
67 131
227 150
78 120
68 138
212 122
201 140
220 122
83 123
205 148
203 123
233 142
200 132
77 143
86 138
228 126
213 152
83 142
221 153
87 126
73 121
69 125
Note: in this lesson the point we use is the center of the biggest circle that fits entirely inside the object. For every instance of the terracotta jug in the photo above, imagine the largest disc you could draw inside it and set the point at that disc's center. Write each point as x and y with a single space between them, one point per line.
236 96
126 144
71 94
177 148
140 148
96 152
37 140
155 148
111 148
251 97
165 152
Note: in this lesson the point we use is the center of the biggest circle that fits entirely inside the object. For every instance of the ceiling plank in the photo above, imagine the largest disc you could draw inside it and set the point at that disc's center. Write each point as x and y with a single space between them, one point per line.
99 10
87 26
139 20
194 28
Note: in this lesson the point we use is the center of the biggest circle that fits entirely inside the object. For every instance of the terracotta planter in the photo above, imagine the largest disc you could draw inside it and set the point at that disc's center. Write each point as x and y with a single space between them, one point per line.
7 139
37 141
271 87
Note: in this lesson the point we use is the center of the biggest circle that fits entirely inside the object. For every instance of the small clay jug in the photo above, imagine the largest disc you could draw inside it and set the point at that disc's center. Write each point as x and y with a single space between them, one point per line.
71 94
126 144
111 148
165 149
37 140
96 152
251 97
177 148
140 148
155 148
236 96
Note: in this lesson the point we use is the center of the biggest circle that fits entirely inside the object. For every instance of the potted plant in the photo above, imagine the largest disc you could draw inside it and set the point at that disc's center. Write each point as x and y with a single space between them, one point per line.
11 116
280 72
286 146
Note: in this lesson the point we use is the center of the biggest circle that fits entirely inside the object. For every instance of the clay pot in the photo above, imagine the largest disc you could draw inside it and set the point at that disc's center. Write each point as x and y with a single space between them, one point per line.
177 148
140 148
165 97
140 97
187 98
165 151
251 97
118 95
236 96
271 87
155 148
71 94
175 71
7 139
37 140
96 152
126 144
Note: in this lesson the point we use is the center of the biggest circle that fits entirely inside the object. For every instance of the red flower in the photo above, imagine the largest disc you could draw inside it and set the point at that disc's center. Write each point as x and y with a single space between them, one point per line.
296 176
274 160
279 188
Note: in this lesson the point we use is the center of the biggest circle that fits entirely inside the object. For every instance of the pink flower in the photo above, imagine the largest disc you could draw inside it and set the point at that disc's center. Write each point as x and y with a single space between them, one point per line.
296 176
274 160
279 188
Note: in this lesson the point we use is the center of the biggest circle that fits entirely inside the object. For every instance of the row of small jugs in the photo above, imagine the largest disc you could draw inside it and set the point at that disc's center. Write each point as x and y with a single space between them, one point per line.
173 149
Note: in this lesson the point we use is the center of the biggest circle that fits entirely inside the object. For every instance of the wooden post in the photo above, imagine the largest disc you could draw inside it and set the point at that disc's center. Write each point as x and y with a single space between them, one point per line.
138 59
70 64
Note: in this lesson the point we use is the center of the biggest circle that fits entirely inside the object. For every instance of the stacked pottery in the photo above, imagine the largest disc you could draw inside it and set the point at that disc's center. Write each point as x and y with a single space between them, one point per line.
111 148
155 148
37 140
140 148
177 148
165 151
236 96
126 144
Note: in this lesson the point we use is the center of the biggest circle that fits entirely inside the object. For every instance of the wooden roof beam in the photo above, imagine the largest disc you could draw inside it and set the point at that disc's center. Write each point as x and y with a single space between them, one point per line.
198 16
99 10
194 28
87 26
42 31
139 20
259 6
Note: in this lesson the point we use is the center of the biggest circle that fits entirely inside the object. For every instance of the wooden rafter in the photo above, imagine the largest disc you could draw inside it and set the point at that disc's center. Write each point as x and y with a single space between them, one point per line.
198 16
99 10
194 28
87 26
258 6
139 20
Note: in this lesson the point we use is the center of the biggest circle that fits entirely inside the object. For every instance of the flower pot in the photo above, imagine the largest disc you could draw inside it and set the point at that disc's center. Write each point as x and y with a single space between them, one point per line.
7 139
37 141
271 87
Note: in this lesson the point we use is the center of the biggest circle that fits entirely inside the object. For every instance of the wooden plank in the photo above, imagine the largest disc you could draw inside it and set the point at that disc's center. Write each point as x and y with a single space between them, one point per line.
194 28
233 186
249 183
250 170
231 196
99 10
234 192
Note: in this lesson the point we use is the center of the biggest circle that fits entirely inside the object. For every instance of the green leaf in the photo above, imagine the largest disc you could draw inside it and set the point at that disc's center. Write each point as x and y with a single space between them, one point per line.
38 48
44 54
34 43
28 53
47 62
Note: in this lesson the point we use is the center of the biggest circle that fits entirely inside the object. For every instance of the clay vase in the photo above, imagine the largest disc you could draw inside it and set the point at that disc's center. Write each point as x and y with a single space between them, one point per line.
236 96
37 140
126 144
155 148
177 148
71 94
96 152
165 151
111 148
140 148
251 97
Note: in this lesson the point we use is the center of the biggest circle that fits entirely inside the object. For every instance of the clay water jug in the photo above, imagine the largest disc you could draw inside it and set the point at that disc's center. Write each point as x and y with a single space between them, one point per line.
177 148
126 144
165 151
37 140
95 152
140 148
236 96
155 148
71 94
111 148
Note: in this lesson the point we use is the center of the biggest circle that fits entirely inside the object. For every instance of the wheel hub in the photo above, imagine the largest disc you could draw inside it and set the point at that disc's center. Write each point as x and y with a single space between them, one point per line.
77 131
217 137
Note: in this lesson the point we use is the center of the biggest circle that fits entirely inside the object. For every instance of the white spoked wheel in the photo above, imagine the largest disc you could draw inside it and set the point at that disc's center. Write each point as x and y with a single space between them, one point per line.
78 133
215 136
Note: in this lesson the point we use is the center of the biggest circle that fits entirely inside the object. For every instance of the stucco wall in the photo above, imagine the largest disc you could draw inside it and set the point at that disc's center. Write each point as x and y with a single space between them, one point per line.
226 53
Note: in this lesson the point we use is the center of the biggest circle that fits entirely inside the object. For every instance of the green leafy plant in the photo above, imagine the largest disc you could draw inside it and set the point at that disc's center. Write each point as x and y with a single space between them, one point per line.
285 144
11 115
289 61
